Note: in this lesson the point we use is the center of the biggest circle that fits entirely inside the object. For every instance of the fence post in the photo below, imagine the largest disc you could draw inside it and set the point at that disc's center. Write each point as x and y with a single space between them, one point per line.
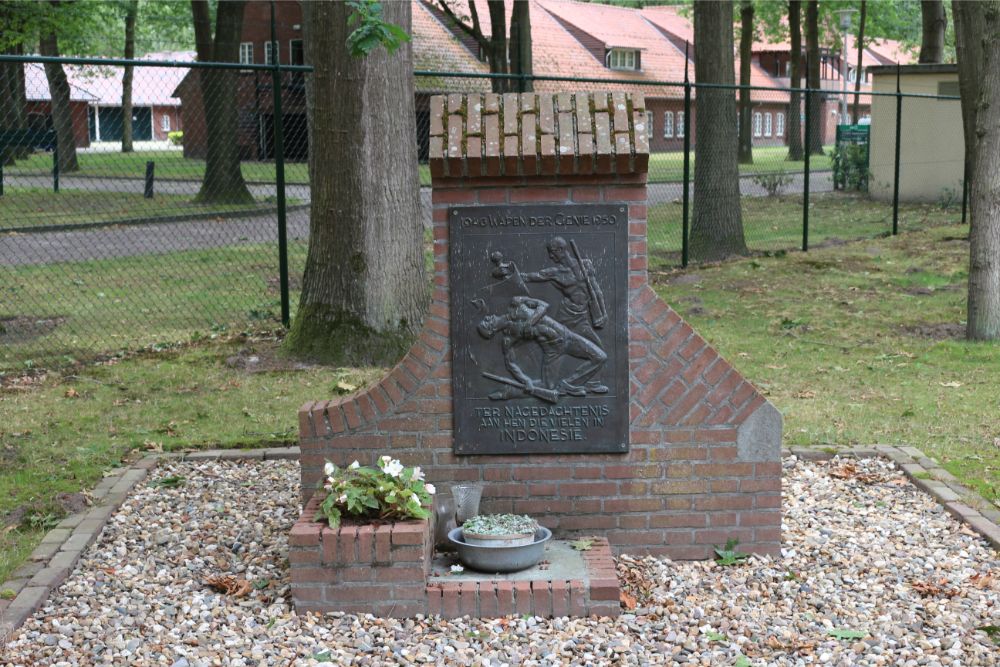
55 165
687 161
148 189
805 173
895 185
278 130
965 186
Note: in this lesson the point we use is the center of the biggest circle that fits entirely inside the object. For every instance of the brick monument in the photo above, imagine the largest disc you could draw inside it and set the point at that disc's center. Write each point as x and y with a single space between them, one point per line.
547 367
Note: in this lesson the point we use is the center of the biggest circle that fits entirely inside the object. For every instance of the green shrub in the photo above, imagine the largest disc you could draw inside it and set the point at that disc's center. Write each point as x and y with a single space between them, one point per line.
175 138
773 183
850 166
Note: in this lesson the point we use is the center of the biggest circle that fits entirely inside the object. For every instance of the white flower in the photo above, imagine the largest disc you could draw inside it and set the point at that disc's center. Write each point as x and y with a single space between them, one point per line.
383 461
429 488
329 469
457 568
393 468
418 474
354 465
342 498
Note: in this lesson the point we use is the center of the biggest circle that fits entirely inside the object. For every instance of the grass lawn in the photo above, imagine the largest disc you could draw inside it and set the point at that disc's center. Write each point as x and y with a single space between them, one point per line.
33 207
669 167
170 165
59 432
860 344
78 309
775 223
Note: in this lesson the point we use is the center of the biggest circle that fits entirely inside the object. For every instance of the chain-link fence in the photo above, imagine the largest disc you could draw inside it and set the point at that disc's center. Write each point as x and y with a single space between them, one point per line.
202 225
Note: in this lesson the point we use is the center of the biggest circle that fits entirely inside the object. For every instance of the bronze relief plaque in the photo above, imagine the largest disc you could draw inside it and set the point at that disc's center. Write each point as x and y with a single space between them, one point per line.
539 328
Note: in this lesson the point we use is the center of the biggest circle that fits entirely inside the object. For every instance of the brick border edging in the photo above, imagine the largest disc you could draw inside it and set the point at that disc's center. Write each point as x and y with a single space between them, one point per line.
54 558
927 475
60 541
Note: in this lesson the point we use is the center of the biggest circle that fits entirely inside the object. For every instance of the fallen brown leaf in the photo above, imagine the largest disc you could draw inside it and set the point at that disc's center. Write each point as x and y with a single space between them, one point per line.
72 393
229 585
928 588
983 580
627 600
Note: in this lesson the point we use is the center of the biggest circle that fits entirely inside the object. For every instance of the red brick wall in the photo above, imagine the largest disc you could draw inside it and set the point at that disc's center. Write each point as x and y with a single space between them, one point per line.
699 469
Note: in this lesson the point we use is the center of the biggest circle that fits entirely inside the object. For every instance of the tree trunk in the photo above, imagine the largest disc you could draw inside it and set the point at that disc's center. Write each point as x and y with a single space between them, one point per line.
977 43
859 72
933 24
364 289
62 111
497 54
815 138
520 45
223 181
13 103
130 11
746 106
717 224
795 81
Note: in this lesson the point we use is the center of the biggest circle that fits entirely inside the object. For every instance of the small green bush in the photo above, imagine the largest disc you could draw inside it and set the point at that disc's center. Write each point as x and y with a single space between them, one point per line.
175 138
850 166
773 183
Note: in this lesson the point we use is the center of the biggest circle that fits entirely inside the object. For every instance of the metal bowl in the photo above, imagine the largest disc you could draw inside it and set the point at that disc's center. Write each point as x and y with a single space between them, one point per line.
500 559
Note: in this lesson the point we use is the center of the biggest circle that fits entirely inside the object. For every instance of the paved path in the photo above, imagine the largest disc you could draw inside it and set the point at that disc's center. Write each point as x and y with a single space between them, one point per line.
110 242
162 186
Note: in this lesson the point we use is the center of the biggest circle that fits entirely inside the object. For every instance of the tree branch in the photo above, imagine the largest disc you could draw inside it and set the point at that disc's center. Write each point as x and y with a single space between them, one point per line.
474 31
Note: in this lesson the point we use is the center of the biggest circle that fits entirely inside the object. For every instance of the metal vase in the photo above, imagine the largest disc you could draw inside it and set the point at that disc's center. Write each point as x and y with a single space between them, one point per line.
467 497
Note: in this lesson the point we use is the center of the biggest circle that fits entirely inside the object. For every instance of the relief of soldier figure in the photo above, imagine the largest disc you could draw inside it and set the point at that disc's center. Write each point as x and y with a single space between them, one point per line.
568 333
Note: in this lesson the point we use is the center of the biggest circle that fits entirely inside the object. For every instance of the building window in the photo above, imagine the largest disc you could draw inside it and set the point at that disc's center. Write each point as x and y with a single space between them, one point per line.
767 124
623 59
246 53
680 124
668 124
165 123
757 124
779 125
295 53
269 51
649 124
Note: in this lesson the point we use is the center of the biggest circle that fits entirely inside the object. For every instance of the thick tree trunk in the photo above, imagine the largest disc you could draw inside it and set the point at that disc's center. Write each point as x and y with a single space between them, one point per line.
223 181
933 23
520 46
62 111
859 73
815 138
795 81
977 42
745 155
130 11
364 289
717 224
13 104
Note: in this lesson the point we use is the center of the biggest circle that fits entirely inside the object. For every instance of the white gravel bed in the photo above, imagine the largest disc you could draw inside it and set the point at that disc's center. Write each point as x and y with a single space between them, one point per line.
857 552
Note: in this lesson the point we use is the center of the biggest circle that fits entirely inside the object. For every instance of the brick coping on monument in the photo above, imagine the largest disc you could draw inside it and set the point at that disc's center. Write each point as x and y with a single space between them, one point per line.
84 527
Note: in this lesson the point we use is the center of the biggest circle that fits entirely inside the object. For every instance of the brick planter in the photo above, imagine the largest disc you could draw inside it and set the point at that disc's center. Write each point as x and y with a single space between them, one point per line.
376 569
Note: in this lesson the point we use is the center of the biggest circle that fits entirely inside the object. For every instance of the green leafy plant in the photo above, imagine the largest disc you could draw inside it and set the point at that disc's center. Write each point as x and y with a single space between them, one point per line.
372 29
842 633
7 594
992 631
388 491
585 544
714 636
176 138
170 482
850 166
500 524
742 661
773 183
728 555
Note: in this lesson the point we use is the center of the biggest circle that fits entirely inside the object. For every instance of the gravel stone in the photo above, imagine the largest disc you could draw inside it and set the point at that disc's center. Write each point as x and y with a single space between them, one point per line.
853 551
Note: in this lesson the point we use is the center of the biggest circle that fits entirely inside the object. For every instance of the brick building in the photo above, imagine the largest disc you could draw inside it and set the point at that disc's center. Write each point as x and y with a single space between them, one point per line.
573 39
